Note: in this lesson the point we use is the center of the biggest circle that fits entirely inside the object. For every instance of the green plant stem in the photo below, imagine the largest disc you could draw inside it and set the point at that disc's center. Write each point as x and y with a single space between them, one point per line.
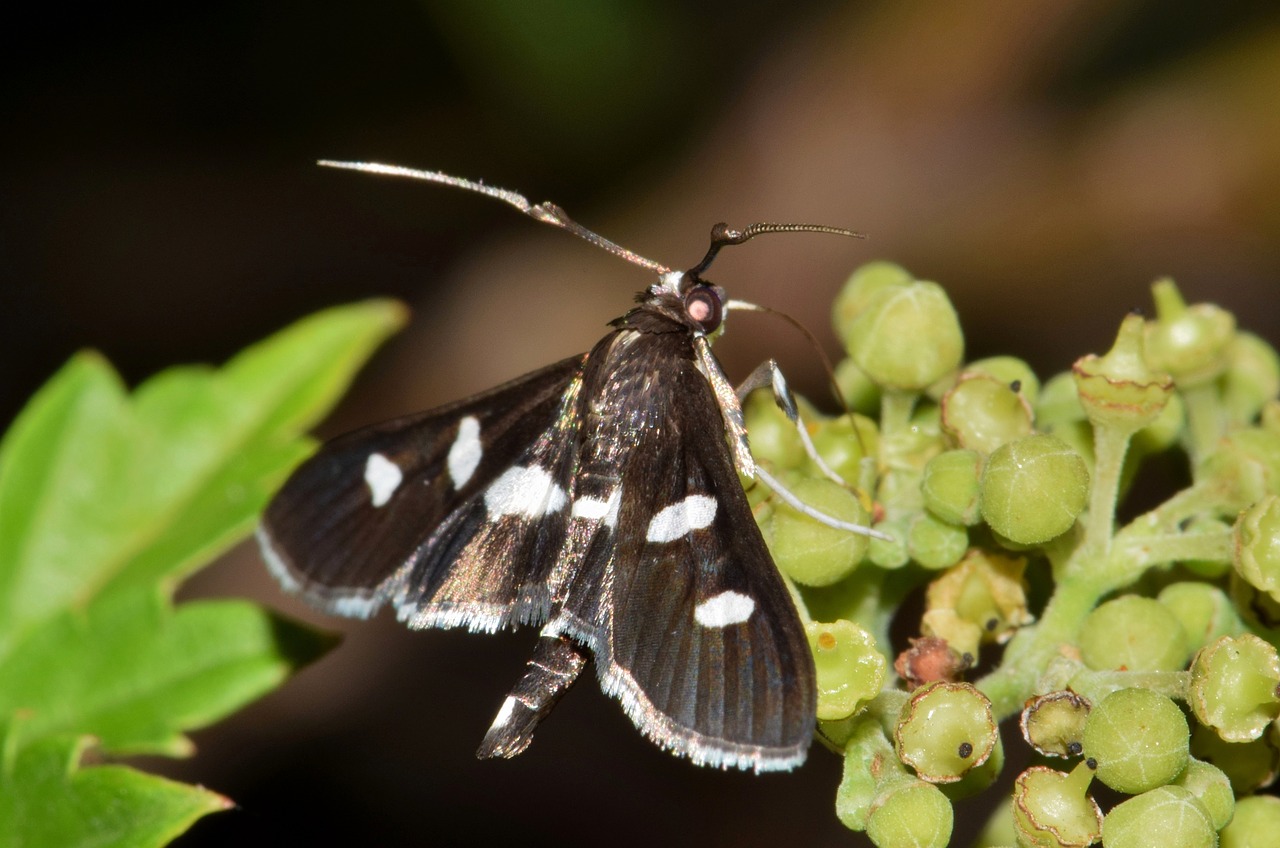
1109 445
1138 553
1083 580
895 411
1204 419
1196 499
1031 651
886 709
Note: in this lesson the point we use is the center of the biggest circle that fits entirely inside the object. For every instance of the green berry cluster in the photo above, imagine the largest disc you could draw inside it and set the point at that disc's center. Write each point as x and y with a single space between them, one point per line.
1141 654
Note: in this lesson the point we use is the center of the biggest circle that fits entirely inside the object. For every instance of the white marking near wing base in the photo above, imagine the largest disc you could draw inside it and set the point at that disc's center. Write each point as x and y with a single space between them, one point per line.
504 714
465 452
693 513
383 477
595 509
530 492
724 609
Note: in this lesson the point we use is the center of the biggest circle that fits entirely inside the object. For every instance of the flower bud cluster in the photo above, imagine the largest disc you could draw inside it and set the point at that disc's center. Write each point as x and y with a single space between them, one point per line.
1141 655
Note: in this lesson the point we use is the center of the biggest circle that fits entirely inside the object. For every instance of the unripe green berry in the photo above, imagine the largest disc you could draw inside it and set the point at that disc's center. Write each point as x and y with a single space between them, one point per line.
1077 435
1162 433
1248 765
1135 634
1033 489
983 413
979 778
843 442
1212 788
812 553
950 486
1188 342
1257 546
1168 816
1217 566
1053 810
1118 390
885 338
1138 738
1252 377
934 543
1235 686
1244 467
850 669
1269 419
945 729
859 392
1059 402
1261 613
1053 724
773 435
1013 372
1204 611
890 553
1255 824
859 290
915 815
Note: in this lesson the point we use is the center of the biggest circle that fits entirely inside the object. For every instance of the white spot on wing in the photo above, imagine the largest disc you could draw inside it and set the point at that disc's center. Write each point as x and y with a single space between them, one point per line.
383 477
595 509
504 714
524 491
693 513
465 452
724 609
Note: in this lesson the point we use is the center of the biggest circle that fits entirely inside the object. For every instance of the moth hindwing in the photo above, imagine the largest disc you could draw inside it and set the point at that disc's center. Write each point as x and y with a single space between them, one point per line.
597 498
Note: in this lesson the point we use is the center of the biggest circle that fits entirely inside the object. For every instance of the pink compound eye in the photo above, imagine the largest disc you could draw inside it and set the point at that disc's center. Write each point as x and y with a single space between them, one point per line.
703 306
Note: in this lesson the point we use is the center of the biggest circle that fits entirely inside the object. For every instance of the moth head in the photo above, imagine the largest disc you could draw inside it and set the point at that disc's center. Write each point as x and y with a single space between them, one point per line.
689 299
704 307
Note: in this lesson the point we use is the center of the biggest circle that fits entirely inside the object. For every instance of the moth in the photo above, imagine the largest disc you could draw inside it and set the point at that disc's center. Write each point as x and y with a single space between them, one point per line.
597 498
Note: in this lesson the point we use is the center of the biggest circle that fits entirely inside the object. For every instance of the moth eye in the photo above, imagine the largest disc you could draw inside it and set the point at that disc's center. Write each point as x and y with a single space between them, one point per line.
704 307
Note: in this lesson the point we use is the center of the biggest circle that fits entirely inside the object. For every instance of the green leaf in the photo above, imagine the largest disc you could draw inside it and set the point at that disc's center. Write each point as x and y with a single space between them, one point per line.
131 670
98 491
107 500
46 799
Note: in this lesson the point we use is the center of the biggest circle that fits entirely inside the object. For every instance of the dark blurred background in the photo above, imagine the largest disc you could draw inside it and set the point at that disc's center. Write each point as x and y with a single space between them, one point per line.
158 201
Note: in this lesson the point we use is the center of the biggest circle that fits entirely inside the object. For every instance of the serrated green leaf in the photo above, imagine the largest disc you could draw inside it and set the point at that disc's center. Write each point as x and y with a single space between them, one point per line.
47 799
133 671
94 487
106 501
66 440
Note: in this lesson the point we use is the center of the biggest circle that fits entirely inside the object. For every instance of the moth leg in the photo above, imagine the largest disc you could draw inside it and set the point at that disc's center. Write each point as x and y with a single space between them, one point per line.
553 668
768 375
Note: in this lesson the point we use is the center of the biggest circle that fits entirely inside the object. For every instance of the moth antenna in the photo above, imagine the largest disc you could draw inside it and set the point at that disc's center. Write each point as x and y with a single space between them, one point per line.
723 235
546 212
